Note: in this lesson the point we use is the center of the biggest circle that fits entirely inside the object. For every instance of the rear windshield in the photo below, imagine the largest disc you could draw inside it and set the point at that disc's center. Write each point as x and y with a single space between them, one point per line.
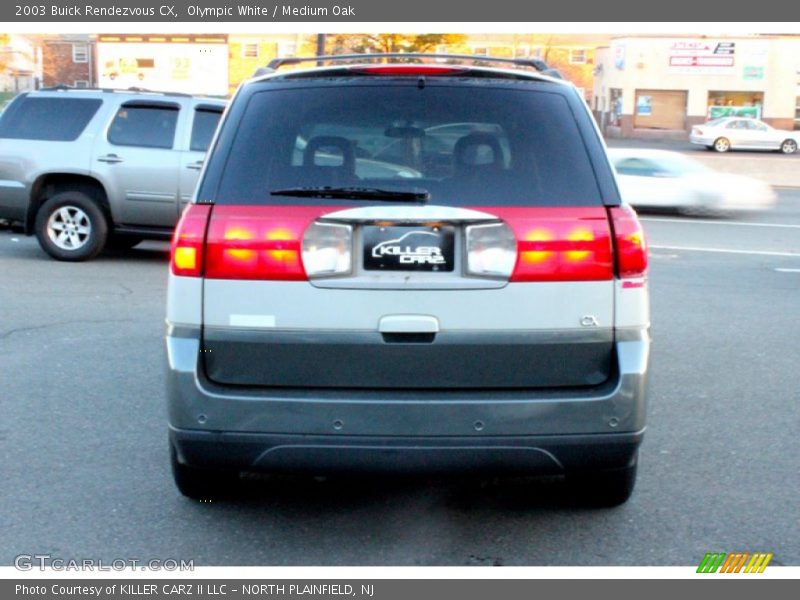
463 145
49 119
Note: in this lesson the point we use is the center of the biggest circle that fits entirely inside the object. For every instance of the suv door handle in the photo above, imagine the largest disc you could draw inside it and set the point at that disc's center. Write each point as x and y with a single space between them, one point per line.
195 165
110 158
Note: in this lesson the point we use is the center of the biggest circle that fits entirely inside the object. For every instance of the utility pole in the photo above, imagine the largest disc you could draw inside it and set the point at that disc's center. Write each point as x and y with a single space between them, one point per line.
320 46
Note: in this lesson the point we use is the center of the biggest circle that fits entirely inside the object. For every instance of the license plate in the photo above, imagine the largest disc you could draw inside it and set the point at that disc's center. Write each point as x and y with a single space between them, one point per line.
408 248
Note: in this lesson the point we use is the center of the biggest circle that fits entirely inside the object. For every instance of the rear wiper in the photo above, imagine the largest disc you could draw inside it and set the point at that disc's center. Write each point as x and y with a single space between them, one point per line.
356 193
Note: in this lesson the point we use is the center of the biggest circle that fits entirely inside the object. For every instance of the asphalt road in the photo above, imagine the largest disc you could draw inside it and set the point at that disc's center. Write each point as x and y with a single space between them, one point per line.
83 454
688 147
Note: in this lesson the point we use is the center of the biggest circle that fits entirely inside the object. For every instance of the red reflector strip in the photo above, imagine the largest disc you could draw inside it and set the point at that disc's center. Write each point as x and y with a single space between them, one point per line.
255 244
409 70
560 244
259 242
630 284
556 246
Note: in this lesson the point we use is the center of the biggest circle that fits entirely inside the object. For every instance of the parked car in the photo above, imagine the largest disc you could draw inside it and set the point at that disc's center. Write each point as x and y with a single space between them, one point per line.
662 179
743 133
483 309
83 169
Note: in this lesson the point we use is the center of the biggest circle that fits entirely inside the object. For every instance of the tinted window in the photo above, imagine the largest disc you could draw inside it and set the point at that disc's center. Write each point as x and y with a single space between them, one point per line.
203 128
147 126
465 145
51 119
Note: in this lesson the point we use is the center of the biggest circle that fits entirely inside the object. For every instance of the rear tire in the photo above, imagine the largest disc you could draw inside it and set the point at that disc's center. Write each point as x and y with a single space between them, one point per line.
789 146
202 484
601 489
722 144
71 226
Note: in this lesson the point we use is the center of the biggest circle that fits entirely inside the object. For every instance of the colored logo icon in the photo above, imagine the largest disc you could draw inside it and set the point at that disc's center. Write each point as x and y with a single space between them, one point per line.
737 562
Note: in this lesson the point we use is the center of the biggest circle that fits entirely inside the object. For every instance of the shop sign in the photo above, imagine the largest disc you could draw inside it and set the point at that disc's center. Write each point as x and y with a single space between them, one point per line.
702 57
619 56
753 72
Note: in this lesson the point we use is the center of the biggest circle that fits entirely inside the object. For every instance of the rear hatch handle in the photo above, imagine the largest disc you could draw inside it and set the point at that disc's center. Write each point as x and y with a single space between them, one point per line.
408 329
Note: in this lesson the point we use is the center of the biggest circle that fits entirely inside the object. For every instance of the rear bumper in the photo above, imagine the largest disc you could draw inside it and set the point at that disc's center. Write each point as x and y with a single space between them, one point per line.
532 431
540 455
702 141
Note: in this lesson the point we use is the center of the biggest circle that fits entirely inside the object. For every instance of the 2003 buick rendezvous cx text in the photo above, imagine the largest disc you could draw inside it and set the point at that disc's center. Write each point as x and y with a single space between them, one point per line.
408 267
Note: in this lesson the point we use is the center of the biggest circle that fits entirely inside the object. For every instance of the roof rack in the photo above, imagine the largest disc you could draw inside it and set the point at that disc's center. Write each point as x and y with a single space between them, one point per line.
531 63
130 90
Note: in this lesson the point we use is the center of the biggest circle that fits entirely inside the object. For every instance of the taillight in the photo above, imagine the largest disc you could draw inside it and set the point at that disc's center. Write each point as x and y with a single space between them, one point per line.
186 251
275 243
559 244
631 245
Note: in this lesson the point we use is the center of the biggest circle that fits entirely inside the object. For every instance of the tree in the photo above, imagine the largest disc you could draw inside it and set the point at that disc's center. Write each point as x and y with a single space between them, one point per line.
4 52
394 42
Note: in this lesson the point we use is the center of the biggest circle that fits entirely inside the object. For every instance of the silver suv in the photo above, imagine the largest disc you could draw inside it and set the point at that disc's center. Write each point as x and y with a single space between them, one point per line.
83 169
408 267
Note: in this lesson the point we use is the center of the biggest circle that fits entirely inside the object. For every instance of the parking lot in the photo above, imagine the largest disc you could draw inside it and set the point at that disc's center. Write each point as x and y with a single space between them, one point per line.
84 452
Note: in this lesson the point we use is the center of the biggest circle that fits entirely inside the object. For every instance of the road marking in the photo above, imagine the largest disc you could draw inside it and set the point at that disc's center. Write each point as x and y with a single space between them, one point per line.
788 270
736 223
728 251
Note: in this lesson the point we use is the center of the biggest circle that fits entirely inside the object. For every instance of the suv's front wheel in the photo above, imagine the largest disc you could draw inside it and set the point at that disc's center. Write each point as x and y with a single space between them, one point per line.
71 226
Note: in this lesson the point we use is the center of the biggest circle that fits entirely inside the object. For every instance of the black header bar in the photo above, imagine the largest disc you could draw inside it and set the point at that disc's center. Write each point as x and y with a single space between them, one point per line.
396 11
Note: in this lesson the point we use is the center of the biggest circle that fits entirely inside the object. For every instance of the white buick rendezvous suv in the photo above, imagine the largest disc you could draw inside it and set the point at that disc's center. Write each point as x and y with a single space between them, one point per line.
415 267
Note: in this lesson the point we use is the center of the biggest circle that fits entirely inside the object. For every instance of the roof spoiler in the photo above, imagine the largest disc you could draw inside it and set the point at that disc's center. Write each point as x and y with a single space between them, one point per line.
529 63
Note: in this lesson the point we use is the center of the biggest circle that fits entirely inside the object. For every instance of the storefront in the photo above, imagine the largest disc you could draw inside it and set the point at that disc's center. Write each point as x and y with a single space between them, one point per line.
659 86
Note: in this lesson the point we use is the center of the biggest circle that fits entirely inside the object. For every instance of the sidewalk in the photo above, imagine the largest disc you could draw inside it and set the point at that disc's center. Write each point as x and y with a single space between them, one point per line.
776 169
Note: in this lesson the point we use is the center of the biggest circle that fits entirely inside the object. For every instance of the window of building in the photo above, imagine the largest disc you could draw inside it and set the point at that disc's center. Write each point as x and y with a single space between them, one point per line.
577 57
80 53
249 50
481 50
734 104
797 114
287 49
528 51
81 83
615 106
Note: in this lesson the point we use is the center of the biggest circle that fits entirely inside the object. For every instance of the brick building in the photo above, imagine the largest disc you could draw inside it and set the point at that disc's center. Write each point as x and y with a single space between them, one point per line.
572 54
69 60
248 52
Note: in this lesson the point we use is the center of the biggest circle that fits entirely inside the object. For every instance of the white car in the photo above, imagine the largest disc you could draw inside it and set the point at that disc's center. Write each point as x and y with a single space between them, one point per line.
663 179
740 133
